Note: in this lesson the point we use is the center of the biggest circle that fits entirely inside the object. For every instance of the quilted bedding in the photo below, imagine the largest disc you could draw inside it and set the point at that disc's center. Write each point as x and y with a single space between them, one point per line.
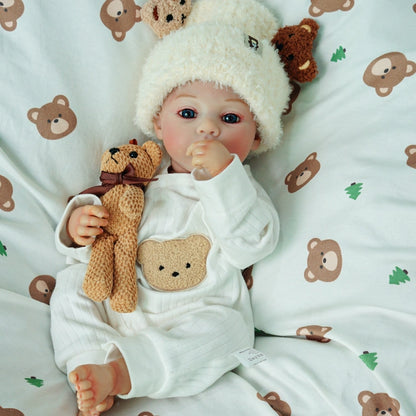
334 305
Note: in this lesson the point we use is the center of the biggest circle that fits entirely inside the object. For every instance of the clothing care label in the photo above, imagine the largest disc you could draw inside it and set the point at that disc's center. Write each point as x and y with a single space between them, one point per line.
249 357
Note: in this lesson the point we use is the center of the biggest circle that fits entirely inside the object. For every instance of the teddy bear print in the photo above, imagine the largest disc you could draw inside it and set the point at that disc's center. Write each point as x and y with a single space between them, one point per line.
54 120
411 155
41 288
324 260
314 333
388 70
10 11
278 405
164 16
10 412
319 7
303 174
6 191
174 265
378 404
120 16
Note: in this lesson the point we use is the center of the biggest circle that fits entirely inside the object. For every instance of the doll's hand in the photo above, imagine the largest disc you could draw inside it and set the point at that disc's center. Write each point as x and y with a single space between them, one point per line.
86 222
211 155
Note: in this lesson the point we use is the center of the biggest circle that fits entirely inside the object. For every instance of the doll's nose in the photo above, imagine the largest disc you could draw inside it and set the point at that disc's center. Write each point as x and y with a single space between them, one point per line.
208 127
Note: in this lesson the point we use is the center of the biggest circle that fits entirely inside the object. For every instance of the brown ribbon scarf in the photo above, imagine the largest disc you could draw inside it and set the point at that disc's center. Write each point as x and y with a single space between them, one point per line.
110 180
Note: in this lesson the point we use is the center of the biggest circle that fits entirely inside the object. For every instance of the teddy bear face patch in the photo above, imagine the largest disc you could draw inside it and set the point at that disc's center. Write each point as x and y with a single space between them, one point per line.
174 265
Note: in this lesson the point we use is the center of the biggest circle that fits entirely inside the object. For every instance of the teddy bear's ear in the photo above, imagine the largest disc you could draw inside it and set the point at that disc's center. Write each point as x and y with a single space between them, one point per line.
154 151
311 26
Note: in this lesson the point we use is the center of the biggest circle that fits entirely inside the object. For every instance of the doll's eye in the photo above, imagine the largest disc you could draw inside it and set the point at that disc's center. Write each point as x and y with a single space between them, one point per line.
133 155
161 267
231 118
187 113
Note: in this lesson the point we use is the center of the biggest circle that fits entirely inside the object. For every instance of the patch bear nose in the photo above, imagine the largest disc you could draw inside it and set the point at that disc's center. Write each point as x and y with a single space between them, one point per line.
114 150
175 274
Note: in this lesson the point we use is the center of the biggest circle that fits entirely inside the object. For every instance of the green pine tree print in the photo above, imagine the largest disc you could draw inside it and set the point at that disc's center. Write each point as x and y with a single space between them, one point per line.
3 249
34 381
369 359
339 54
354 190
399 276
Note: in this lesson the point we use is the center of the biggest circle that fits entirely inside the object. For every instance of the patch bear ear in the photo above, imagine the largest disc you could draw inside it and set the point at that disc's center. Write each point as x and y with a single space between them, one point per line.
144 248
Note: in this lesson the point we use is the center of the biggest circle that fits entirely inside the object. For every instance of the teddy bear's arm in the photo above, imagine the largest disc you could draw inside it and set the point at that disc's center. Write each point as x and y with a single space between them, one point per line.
132 202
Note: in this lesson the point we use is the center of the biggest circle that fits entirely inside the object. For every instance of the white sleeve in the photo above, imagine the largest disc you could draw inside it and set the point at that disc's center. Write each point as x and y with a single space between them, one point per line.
63 241
240 214
187 358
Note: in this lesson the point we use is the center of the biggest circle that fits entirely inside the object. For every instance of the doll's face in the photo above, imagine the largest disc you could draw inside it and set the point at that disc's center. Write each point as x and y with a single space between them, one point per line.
198 111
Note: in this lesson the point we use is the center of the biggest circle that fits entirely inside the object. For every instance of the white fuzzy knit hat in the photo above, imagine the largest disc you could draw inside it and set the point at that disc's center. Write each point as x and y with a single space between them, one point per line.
226 42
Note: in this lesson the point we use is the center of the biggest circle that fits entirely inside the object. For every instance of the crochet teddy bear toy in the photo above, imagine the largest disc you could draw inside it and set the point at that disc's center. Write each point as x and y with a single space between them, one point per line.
294 45
111 273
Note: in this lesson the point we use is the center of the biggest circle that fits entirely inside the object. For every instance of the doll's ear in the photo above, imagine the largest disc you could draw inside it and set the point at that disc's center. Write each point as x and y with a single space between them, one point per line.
157 125
256 143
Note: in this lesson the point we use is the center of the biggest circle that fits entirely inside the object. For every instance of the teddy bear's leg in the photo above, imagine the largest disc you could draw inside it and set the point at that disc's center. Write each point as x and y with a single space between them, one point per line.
98 281
124 295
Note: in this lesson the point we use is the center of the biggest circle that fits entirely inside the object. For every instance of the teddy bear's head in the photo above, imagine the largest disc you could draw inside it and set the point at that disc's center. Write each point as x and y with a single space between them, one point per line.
174 265
294 44
145 159
164 16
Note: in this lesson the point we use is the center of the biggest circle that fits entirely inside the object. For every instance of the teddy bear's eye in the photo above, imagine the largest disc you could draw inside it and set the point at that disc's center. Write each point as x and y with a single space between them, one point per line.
182 2
133 154
188 265
169 18
290 57
161 267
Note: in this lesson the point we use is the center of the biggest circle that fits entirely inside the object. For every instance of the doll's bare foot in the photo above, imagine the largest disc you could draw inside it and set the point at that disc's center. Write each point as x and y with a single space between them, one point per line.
95 383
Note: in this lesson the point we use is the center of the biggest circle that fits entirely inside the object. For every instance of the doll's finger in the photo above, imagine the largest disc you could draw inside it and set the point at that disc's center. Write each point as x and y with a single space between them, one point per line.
196 147
83 231
92 221
96 211
84 241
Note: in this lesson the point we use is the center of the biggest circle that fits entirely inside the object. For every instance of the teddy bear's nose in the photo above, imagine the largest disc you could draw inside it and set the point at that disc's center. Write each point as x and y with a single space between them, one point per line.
175 274
114 150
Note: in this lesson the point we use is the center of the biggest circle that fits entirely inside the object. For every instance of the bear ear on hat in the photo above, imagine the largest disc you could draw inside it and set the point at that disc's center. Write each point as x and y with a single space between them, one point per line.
165 16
